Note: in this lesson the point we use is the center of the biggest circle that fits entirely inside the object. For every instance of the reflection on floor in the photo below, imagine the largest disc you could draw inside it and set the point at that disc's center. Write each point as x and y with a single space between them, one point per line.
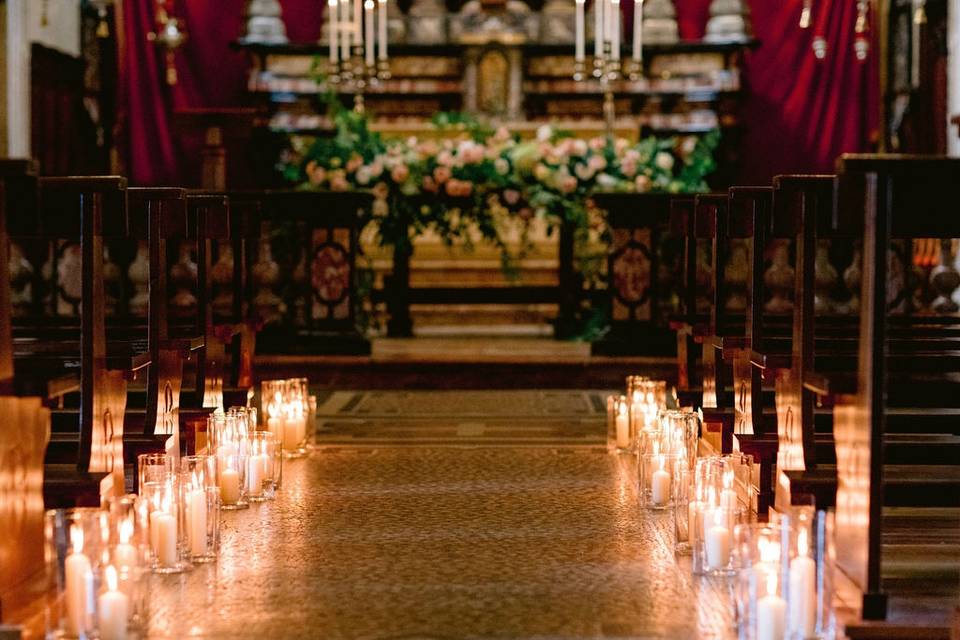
481 539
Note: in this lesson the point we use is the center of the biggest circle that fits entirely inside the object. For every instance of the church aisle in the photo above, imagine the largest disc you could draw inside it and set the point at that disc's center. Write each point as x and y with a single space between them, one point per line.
446 541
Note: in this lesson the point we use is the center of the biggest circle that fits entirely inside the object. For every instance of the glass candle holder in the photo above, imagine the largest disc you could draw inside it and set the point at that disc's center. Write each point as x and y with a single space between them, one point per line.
762 580
272 402
810 576
713 553
166 543
263 466
128 553
230 440
200 515
294 439
619 435
683 517
656 472
153 467
681 431
73 541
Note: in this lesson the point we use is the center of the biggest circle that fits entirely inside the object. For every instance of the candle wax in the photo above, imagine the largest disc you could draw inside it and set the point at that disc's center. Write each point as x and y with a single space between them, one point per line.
717 539
197 501
230 486
255 474
660 487
78 578
623 431
803 600
125 556
166 526
112 615
771 617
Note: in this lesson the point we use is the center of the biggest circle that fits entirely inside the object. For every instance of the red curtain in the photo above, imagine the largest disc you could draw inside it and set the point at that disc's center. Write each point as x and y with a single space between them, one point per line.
798 115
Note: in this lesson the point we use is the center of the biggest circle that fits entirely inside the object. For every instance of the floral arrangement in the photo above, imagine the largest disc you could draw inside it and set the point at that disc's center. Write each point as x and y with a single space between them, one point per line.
477 179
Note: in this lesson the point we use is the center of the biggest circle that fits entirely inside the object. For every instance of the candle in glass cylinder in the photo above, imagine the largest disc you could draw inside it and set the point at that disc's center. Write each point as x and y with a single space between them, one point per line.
771 612
256 471
694 509
275 420
112 611
382 29
78 578
660 484
803 595
623 427
332 27
197 517
163 529
295 427
717 541
125 554
368 38
230 485
580 31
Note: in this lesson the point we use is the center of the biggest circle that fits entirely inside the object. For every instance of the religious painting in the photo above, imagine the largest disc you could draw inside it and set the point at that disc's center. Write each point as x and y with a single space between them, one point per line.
493 82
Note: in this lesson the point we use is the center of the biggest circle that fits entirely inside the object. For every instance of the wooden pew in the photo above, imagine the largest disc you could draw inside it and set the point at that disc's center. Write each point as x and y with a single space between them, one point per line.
687 321
896 198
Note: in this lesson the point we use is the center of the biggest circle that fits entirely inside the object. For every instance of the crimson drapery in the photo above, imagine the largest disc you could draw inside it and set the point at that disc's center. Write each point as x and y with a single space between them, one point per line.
799 113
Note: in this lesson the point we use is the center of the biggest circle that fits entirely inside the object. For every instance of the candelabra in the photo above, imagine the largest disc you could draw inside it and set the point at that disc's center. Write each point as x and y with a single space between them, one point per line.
607 67
357 35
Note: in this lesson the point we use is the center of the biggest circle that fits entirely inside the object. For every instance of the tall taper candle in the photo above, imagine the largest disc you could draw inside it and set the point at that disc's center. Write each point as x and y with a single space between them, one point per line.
368 39
637 30
332 27
580 35
382 35
345 30
598 28
357 22
615 29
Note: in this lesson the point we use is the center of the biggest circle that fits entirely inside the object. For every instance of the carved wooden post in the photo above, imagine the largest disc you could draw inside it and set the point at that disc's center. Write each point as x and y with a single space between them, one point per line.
637 324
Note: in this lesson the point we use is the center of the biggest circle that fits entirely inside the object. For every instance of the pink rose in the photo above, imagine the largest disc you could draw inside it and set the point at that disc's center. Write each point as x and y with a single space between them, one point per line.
338 182
642 184
597 163
584 172
315 173
429 184
511 196
400 173
354 163
445 159
598 143
441 174
568 184
381 190
629 167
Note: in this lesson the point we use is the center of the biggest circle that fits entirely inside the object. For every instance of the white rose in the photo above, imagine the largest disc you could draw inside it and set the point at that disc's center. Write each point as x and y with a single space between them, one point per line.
544 133
364 175
606 181
664 161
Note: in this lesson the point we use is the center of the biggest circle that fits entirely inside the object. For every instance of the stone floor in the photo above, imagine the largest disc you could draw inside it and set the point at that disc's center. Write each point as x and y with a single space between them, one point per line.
446 540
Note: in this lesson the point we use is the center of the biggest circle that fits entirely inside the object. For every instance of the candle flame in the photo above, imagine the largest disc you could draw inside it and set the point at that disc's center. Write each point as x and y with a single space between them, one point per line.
76 538
111 576
368 5
126 530
195 480
803 545
623 405
769 550
332 3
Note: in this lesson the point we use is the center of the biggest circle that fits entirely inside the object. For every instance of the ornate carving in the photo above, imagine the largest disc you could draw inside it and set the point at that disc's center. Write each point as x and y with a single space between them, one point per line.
631 274
265 275
779 280
183 276
660 22
21 276
221 274
944 280
264 23
427 22
735 276
729 21
139 275
852 277
69 278
514 23
557 22
824 279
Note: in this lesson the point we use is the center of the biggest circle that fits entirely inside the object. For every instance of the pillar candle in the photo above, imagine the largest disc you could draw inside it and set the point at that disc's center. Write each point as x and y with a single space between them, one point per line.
717 540
771 613
345 30
166 536
615 29
728 498
623 428
256 467
637 30
369 41
803 594
382 26
694 509
197 521
660 486
112 611
78 579
125 556
332 27
598 28
275 425
580 30
230 486
293 432
357 22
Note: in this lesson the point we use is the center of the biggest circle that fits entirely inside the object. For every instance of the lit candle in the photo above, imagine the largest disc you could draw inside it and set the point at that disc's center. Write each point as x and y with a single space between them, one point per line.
660 484
112 610
580 35
694 509
230 486
294 431
637 30
803 595
615 29
197 517
382 27
256 470
332 27
78 578
165 526
771 612
598 28
717 539
368 38
275 417
125 554
357 21
623 427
